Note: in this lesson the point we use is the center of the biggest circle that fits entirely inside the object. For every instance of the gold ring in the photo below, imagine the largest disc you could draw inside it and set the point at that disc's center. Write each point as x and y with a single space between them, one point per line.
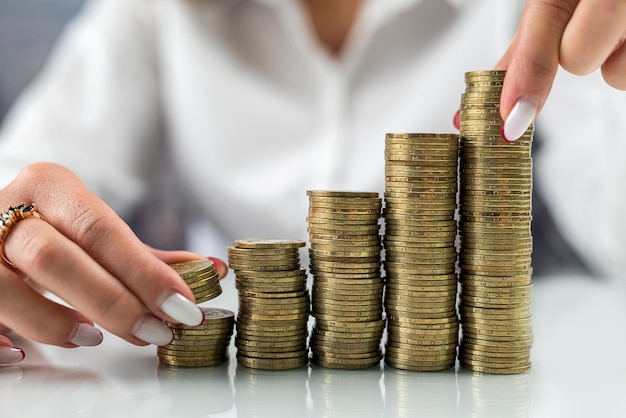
9 218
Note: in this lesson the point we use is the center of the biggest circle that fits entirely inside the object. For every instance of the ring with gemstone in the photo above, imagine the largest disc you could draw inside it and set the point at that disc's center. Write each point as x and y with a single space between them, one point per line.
9 218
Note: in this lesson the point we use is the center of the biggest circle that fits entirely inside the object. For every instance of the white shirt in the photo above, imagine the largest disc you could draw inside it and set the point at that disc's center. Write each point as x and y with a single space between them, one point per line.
255 113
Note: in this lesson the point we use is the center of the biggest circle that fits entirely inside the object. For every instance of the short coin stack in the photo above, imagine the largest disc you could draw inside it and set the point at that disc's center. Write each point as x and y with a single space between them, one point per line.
495 237
201 346
420 253
206 344
273 304
201 277
344 234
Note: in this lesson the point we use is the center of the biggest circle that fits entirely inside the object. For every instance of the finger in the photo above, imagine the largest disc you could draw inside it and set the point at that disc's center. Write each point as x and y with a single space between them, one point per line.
5 342
35 317
8 353
591 35
62 267
533 62
220 266
82 217
614 69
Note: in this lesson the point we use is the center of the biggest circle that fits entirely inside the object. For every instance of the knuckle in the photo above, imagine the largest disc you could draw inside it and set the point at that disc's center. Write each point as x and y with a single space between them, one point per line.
40 252
42 173
558 12
91 226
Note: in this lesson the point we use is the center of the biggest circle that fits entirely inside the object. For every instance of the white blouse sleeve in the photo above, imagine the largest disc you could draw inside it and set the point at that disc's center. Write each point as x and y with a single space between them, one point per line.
95 107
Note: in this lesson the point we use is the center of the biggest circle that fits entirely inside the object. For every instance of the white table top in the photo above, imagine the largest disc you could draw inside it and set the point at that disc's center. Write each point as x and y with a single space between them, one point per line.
579 370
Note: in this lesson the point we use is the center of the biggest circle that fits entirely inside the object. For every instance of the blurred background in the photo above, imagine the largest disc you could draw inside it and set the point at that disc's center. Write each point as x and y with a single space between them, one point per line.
28 30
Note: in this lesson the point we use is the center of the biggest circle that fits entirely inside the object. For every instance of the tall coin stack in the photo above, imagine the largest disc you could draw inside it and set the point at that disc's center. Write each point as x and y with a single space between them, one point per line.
273 304
344 234
206 344
420 253
495 237
201 346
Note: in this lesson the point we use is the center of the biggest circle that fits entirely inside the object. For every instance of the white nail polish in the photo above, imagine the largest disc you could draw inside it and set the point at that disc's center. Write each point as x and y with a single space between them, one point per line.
520 118
182 310
85 335
11 355
152 331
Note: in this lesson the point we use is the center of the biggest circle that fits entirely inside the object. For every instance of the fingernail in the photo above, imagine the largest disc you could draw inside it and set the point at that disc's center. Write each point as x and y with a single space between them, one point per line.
85 335
457 119
182 310
520 118
152 331
220 266
11 355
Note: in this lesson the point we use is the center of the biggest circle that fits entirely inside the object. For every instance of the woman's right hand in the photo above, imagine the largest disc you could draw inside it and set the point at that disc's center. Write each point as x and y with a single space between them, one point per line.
87 256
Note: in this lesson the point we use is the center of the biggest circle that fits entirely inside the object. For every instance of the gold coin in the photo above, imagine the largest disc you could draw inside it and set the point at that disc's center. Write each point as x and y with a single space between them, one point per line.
272 364
330 315
270 274
267 288
279 337
268 281
196 363
350 194
348 326
347 364
274 300
193 356
192 267
272 316
344 269
398 364
260 252
271 355
343 335
209 331
270 325
263 260
520 349
348 306
345 231
200 340
328 355
269 346
414 353
269 243
346 348
283 336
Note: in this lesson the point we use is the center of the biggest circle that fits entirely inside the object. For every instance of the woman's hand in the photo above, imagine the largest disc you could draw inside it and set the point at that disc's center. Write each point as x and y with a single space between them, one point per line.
87 256
579 35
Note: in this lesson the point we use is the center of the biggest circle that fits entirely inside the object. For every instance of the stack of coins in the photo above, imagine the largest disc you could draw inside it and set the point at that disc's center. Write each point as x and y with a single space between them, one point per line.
495 237
344 234
273 304
200 346
201 277
420 252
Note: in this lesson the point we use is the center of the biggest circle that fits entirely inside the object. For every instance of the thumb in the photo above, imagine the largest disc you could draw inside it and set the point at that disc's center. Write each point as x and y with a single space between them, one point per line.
531 62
